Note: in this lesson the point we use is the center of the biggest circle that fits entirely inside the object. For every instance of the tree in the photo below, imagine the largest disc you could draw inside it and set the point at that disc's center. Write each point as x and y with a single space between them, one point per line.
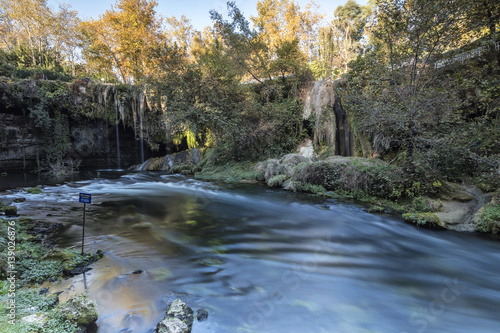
396 91
27 22
67 37
484 15
340 42
180 31
281 21
125 38
246 47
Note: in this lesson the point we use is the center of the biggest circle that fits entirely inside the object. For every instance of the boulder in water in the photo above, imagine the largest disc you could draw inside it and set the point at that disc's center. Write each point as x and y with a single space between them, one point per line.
178 319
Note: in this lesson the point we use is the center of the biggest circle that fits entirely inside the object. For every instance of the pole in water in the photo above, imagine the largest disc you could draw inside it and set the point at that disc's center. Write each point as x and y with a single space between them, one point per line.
83 228
86 199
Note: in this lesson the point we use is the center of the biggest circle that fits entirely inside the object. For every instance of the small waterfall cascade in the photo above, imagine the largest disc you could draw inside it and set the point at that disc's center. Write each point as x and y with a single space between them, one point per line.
141 109
331 127
117 121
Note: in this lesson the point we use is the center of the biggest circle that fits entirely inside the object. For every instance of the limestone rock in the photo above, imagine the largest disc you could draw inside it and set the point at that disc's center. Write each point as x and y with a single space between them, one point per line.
178 319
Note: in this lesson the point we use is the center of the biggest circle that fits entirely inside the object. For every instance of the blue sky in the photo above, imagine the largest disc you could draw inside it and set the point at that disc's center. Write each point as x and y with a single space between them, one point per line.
196 10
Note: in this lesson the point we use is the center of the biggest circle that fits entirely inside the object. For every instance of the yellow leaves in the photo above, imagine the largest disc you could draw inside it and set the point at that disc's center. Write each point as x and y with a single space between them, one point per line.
126 37
283 21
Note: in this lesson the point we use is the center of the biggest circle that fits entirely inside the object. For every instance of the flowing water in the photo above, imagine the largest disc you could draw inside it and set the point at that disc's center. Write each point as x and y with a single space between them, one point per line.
262 260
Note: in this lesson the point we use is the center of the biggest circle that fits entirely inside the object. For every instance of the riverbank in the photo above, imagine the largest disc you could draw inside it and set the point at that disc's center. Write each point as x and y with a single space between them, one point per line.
373 183
29 257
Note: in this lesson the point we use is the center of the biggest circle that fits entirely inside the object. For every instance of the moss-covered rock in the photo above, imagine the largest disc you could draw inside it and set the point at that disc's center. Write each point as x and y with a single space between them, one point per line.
9 210
424 219
142 226
79 309
452 191
33 190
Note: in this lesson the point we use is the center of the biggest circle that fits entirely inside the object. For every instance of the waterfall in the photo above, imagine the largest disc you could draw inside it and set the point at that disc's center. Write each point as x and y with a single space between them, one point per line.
117 133
331 127
141 107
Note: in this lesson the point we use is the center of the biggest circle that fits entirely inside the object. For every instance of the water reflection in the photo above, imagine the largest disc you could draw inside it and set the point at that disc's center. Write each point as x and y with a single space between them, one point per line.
268 261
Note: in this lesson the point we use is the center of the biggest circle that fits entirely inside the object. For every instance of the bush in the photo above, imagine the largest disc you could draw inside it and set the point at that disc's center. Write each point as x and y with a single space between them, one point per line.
297 186
427 205
489 219
277 181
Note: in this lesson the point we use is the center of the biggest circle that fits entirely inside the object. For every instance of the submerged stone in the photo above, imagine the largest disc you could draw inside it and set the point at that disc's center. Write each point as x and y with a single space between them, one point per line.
178 319
202 314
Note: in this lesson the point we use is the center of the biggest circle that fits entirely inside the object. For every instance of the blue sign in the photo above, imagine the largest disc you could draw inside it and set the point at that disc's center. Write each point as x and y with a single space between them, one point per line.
85 198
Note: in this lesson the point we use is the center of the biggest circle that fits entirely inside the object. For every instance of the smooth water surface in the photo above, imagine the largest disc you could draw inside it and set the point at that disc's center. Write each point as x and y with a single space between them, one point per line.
262 260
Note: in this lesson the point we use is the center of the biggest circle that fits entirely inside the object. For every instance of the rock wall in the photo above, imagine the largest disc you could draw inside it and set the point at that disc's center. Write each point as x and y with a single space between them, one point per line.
92 142
102 125
18 145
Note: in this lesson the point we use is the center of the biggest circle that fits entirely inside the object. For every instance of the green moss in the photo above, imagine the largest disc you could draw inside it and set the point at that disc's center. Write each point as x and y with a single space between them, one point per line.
9 210
422 219
230 173
34 190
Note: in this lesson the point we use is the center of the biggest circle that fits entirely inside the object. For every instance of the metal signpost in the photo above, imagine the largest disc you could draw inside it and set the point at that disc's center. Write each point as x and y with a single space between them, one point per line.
86 199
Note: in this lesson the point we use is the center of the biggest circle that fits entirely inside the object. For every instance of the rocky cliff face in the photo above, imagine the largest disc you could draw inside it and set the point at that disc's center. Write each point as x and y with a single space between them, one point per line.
101 126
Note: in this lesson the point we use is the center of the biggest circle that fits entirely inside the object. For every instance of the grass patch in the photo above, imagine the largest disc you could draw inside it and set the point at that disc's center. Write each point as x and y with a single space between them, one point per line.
233 172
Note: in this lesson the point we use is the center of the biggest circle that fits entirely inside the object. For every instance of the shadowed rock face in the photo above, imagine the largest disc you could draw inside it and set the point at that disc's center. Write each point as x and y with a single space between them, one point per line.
178 319
93 142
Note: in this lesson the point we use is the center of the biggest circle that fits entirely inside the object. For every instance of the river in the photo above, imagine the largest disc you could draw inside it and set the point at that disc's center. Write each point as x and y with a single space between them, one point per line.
264 260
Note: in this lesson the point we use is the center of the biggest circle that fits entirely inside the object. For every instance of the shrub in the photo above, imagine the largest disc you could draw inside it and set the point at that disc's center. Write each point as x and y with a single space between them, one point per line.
423 204
489 219
277 181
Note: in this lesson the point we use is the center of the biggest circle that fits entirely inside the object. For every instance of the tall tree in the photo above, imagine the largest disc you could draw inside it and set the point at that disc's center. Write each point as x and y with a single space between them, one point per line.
281 21
180 31
126 37
245 46
67 38
391 88
340 41
29 23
